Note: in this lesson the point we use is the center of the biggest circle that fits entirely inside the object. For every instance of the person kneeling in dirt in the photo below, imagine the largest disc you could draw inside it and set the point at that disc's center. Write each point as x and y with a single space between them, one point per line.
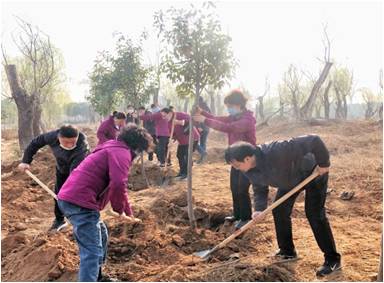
101 178
70 147
284 164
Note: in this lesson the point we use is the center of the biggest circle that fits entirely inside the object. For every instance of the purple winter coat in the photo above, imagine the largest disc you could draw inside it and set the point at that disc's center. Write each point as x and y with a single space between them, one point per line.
107 130
178 133
161 124
240 127
101 177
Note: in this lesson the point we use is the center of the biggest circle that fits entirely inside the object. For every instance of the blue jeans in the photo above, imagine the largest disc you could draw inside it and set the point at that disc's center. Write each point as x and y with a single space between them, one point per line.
91 236
202 146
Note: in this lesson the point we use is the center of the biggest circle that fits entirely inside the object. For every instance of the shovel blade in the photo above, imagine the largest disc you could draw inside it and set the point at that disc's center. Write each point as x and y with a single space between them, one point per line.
203 254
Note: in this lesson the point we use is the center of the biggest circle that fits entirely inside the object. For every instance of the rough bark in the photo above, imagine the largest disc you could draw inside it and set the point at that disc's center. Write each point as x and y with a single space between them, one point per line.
326 103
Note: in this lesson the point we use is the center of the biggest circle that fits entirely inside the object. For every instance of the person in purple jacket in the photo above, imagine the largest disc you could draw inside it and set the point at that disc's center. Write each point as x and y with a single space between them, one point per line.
240 125
109 128
161 120
101 178
181 135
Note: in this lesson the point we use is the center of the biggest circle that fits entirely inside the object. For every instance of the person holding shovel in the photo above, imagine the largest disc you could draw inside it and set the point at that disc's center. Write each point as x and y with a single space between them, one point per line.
109 128
284 164
240 125
70 147
101 178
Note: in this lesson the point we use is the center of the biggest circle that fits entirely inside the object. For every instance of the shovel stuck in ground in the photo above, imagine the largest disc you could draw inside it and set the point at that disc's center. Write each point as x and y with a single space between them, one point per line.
205 254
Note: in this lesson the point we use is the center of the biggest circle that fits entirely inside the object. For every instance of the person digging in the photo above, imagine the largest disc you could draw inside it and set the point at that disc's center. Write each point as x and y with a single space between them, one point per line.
101 178
69 147
283 164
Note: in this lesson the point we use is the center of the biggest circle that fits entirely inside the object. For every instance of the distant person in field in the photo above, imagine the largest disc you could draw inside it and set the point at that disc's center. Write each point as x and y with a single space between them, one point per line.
204 131
181 135
161 120
150 127
284 164
240 125
110 127
70 147
101 178
131 115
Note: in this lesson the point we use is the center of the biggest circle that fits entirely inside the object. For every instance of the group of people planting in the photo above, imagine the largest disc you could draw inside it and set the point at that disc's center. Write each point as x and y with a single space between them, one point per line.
87 181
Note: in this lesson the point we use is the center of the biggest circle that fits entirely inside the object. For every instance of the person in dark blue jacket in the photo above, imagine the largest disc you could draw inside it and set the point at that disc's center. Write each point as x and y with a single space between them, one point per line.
70 147
284 164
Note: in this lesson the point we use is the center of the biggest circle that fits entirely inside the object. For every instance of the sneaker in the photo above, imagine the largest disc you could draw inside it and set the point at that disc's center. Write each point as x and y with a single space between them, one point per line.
106 278
240 223
328 267
58 225
181 177
202 159
162 165
230 218
285 256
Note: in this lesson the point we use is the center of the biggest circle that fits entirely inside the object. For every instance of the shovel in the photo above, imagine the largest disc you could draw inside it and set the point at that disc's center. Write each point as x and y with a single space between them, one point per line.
166 179
37 180
204 254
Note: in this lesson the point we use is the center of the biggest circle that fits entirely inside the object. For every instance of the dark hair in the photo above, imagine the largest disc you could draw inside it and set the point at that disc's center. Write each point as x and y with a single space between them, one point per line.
236 97
135 137
239 151
153 105
166 110
141 108
68 131
171 107
118 115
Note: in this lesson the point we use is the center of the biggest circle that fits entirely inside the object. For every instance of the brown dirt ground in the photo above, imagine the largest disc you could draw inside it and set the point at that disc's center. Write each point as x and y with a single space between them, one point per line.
160 248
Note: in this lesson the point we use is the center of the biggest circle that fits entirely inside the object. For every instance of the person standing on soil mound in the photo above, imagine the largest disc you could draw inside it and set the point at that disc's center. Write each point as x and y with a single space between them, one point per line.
101 178
70 147
150 127
284 164
181 134
161 120
240 125
109 128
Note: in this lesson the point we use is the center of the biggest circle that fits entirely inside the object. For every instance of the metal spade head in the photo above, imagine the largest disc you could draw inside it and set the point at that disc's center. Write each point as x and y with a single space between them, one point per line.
203 254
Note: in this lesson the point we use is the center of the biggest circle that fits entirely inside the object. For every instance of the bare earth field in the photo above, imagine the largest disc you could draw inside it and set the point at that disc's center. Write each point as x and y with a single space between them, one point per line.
160 248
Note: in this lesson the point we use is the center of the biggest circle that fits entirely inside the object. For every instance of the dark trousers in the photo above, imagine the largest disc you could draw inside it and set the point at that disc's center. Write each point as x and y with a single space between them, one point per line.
182 156
60 180
202 146
242 206
315 195
162 148
150 155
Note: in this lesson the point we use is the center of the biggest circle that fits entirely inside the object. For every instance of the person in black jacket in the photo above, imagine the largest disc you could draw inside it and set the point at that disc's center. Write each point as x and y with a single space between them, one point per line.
284 164
204 131
150 127
70 147
131 115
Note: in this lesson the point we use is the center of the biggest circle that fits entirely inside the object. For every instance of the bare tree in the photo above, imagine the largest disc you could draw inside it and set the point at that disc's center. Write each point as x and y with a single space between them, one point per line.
27 87
307 109
343 86
326 101
292 79
260 99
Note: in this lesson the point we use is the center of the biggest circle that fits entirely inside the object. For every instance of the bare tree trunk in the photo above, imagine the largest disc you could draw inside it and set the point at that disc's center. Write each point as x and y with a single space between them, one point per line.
345 107
24 105
296 108
318 111
306 110
261 107
326 100
156 96
36 121
338 111
281 107
219 106
186 101
212 102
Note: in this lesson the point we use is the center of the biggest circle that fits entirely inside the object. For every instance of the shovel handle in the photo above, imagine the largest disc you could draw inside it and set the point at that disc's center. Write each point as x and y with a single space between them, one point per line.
267 210
37 180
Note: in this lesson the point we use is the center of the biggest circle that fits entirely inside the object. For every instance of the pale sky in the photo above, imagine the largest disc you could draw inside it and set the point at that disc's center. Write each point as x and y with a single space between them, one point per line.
267 36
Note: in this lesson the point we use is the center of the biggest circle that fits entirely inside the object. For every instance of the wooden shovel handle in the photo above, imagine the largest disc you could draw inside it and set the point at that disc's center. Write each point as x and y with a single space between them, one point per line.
37 180
267 210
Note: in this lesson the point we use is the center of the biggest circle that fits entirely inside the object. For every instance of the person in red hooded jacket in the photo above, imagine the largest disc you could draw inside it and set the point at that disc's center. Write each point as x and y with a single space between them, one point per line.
240 125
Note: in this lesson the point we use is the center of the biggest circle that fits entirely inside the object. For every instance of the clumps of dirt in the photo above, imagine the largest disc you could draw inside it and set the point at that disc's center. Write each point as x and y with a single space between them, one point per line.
46 258
155 174
246 272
